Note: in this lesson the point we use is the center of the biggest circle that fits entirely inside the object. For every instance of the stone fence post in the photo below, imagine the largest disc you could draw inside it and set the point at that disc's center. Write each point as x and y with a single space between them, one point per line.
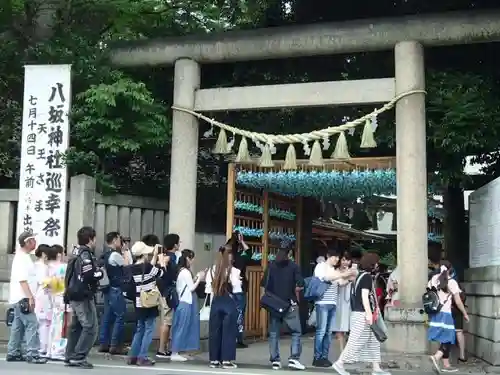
82 193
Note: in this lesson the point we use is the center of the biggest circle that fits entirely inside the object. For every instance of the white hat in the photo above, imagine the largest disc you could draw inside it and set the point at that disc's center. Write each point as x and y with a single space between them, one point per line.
140 248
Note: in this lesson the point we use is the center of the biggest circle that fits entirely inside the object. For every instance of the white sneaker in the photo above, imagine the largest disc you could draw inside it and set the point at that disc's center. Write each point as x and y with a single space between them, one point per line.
176 357
276 365
339 369
295 364
229 365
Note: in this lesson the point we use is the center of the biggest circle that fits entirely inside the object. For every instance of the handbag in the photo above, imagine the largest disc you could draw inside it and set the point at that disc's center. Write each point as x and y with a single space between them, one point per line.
150 298
205 310
378 326
314 288
271 302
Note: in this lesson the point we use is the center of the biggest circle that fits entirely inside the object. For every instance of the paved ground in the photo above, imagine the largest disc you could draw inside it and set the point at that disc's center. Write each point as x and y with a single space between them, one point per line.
251 361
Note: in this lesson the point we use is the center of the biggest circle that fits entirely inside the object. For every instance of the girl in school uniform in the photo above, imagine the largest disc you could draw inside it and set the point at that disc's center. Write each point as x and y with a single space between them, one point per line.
441 325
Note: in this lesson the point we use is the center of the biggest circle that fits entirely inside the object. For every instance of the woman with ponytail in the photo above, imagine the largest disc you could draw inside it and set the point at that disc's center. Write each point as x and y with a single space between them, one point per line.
441 325
224 281
186 322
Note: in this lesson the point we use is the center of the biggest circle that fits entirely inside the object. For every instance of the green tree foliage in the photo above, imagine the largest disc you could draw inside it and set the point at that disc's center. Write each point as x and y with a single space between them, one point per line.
120 125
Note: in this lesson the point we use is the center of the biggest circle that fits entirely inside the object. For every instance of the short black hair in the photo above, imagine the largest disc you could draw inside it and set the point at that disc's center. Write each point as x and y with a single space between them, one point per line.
356 255
150 239
171 240
111 236
85 235
333 253
41 249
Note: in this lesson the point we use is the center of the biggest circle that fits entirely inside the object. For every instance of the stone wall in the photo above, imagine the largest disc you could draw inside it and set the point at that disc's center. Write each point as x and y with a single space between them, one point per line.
482 287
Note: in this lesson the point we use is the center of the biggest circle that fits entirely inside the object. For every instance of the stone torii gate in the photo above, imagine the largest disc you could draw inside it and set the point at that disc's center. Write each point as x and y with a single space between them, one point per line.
406 35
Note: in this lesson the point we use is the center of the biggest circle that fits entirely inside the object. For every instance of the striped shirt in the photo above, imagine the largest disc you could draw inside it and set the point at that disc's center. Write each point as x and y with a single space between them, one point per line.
332 292
146 283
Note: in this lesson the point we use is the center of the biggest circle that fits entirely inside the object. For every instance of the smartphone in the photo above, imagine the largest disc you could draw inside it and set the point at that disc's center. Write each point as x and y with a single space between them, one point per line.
160 249
355 266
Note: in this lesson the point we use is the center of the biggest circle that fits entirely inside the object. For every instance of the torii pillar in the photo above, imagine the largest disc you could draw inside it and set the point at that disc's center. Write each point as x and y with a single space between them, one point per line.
406 35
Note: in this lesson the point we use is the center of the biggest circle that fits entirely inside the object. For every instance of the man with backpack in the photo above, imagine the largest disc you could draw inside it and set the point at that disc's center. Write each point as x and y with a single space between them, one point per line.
81 283
113 261
170 250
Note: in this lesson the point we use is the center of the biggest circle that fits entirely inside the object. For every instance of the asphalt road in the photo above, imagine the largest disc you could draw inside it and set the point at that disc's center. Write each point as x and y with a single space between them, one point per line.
110 368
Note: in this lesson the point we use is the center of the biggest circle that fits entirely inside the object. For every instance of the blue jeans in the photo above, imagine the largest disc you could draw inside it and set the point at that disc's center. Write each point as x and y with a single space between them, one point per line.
292 320
323 337
142 338
24 329
222 329
115 308
241 304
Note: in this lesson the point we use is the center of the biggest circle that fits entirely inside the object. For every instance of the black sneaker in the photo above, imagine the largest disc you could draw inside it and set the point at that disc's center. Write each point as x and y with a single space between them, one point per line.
241 345
320 362
15 358
214 364
36 360
166 354
328 363
80 364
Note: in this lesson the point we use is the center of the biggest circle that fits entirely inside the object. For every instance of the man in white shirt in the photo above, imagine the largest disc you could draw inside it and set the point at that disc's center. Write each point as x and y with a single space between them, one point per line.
326 305
22 289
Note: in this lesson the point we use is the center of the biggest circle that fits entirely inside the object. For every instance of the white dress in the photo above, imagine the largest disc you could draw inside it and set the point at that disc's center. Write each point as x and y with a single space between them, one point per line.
343 312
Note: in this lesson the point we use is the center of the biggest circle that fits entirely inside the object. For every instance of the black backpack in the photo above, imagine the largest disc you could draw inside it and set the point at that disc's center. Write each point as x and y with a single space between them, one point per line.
430 301
75 289
104 284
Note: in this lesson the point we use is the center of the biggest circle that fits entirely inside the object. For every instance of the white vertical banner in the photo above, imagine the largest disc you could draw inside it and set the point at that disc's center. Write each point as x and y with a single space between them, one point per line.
45 139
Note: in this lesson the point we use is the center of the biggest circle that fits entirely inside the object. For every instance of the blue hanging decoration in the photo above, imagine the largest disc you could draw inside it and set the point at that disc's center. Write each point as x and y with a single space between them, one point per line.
431 237
248 232
281 236
435 213
274 212
256 256
259 233
336 184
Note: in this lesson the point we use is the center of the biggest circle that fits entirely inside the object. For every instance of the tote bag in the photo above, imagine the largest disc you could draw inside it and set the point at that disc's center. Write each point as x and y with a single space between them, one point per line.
205 310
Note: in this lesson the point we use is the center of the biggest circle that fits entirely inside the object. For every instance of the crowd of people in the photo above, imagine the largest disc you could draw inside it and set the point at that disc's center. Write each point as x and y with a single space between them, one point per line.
54 303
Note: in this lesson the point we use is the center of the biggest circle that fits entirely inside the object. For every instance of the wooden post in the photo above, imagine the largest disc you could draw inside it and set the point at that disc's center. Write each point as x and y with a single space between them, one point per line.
265 252
298 240
231 191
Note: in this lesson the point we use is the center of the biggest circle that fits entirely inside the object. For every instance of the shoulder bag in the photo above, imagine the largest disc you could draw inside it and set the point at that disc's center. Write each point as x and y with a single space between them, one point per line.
378 326
150 298
271 302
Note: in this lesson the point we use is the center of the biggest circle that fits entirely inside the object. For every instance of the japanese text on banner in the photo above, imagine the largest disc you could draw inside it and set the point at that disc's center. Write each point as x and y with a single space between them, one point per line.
45 139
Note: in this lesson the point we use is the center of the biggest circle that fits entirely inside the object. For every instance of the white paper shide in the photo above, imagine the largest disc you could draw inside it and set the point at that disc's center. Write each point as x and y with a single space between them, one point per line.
45 139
